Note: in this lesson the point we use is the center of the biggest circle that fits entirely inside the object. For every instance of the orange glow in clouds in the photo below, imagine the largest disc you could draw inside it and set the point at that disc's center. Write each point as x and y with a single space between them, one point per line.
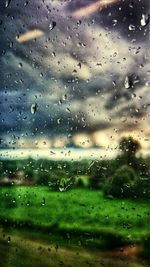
88 10
29 36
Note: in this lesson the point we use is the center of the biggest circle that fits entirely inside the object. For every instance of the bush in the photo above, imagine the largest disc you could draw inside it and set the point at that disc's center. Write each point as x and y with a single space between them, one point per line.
61 183
142 188
82 181
121 184
42 177
8 200
97 172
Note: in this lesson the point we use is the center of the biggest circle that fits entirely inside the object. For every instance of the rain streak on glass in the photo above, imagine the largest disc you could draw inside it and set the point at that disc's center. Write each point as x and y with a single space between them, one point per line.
144 20
33 108
52 25
7 3
127 82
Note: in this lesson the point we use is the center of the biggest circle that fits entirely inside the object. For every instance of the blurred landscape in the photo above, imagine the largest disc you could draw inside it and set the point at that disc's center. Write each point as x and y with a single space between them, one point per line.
93 204
74 133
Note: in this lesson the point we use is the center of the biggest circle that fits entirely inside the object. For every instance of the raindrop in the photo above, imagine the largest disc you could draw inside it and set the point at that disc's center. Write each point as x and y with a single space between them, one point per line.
114 83
33 108
144 20
79 65
20 65
53 54
59 120
11 44
9 239
127 82
52 25
64 97
43 202
131 5
26 3
79 22
131 27
74 72
68 110
60 102
7 3
114 22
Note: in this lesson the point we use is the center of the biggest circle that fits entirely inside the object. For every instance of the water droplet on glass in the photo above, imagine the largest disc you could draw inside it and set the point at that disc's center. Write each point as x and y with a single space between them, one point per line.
79 65
26 3
20 65
60 102
68 110
33 108
131 4
43 202
53 54
64 97
127 82
52 25
11 44
59 120
114 22
131 27
144 20
7 3
9 239
74 72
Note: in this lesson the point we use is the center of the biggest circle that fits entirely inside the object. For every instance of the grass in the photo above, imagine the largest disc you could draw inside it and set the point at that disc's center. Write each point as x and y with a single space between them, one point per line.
79 212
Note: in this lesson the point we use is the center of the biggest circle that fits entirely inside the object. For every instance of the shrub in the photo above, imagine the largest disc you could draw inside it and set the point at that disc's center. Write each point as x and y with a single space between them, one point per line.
82 181
43 177
61 183
142 188
121 184
8 200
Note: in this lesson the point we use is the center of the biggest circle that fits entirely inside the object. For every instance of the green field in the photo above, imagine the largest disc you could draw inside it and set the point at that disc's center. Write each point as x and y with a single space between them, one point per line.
79 227
76 212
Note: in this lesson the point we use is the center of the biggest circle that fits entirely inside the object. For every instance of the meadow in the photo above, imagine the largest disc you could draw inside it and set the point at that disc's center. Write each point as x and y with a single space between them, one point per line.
77 216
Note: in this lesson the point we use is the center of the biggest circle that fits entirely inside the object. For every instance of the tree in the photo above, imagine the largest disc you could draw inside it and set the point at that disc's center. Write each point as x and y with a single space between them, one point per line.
129 148
121 183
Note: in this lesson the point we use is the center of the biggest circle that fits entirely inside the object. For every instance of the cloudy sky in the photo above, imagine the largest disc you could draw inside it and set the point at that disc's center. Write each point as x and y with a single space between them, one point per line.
74 73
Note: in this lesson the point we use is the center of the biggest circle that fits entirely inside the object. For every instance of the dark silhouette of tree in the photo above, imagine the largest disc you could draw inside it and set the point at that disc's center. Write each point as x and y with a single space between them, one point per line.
129 148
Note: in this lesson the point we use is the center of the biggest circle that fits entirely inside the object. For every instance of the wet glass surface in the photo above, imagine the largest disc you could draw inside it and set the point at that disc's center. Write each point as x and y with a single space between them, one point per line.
74 133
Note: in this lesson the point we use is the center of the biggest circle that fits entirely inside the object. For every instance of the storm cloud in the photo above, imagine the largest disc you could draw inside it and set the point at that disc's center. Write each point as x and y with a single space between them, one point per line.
75 72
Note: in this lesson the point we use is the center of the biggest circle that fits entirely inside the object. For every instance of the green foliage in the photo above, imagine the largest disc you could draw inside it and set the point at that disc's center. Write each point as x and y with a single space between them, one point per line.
129 146
82 181
142 188
146 247
8 199
96 171
121 183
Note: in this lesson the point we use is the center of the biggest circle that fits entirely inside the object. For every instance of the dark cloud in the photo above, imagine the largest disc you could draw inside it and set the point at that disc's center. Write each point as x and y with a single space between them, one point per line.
118 16
75 72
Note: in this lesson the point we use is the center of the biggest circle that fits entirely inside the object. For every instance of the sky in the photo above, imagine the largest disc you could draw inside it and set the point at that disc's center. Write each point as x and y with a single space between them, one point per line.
74 73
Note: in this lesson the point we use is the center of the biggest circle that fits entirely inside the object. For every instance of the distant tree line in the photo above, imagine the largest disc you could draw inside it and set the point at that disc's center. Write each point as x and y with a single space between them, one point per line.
124 176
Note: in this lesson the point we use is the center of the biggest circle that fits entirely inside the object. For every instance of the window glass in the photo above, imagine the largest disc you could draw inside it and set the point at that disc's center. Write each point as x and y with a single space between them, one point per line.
74 133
